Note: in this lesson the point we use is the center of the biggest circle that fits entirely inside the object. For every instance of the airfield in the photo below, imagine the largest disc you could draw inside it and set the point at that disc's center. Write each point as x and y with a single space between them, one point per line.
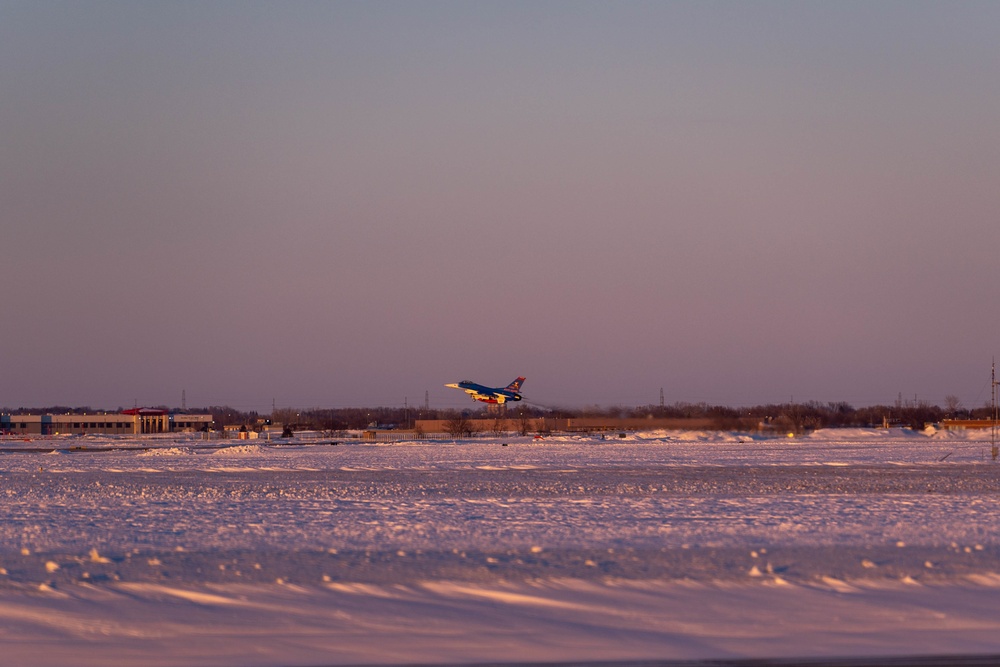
660 546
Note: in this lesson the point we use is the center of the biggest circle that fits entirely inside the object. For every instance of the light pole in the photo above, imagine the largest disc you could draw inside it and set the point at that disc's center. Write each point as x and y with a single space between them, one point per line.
995 449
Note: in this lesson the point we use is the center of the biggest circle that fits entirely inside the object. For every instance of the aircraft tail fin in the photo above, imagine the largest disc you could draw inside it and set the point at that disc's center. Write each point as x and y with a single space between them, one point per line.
515 385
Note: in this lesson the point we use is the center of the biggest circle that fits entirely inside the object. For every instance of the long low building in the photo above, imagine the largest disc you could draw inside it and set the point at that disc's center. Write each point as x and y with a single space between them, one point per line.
963 424
138 421
548 424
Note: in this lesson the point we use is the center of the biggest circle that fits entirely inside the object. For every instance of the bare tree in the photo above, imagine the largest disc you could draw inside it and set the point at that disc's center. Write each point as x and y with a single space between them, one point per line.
497 427
523 423
459 426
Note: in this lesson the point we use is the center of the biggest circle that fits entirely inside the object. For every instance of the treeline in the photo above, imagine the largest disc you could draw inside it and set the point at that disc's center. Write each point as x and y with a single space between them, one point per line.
786 416
791 416
799 417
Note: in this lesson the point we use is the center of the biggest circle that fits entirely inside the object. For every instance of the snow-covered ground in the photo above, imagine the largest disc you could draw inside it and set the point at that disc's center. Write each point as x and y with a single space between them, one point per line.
657 546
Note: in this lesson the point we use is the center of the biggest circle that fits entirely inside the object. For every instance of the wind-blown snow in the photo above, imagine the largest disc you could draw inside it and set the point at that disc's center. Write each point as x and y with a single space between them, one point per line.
660 545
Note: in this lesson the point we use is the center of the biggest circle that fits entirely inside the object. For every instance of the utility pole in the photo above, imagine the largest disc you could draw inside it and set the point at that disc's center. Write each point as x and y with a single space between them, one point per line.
995 449
661 398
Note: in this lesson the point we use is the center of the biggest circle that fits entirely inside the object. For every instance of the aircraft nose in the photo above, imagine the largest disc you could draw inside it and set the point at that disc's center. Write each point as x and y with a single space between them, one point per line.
453 386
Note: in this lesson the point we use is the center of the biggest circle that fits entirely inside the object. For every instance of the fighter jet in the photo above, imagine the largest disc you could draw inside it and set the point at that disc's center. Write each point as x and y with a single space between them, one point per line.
496 395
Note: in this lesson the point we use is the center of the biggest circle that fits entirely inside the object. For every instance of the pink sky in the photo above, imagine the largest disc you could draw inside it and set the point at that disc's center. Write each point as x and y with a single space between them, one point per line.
353 203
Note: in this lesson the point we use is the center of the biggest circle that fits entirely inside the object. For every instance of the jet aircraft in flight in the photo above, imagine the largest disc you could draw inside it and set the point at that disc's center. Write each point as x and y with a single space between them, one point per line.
495 395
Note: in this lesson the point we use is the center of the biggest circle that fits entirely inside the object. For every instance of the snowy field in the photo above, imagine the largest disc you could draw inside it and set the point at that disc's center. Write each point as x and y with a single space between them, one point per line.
659 546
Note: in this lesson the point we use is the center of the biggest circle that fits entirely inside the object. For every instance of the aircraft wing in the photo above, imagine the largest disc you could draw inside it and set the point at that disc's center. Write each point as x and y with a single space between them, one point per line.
479 392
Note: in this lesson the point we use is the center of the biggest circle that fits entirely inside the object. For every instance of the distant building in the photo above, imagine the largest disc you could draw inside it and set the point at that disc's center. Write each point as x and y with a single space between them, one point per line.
184 423
579 424
138 421
963 424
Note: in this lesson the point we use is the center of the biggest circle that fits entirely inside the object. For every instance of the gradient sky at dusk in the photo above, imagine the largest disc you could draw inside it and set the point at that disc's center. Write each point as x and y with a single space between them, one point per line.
349 204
